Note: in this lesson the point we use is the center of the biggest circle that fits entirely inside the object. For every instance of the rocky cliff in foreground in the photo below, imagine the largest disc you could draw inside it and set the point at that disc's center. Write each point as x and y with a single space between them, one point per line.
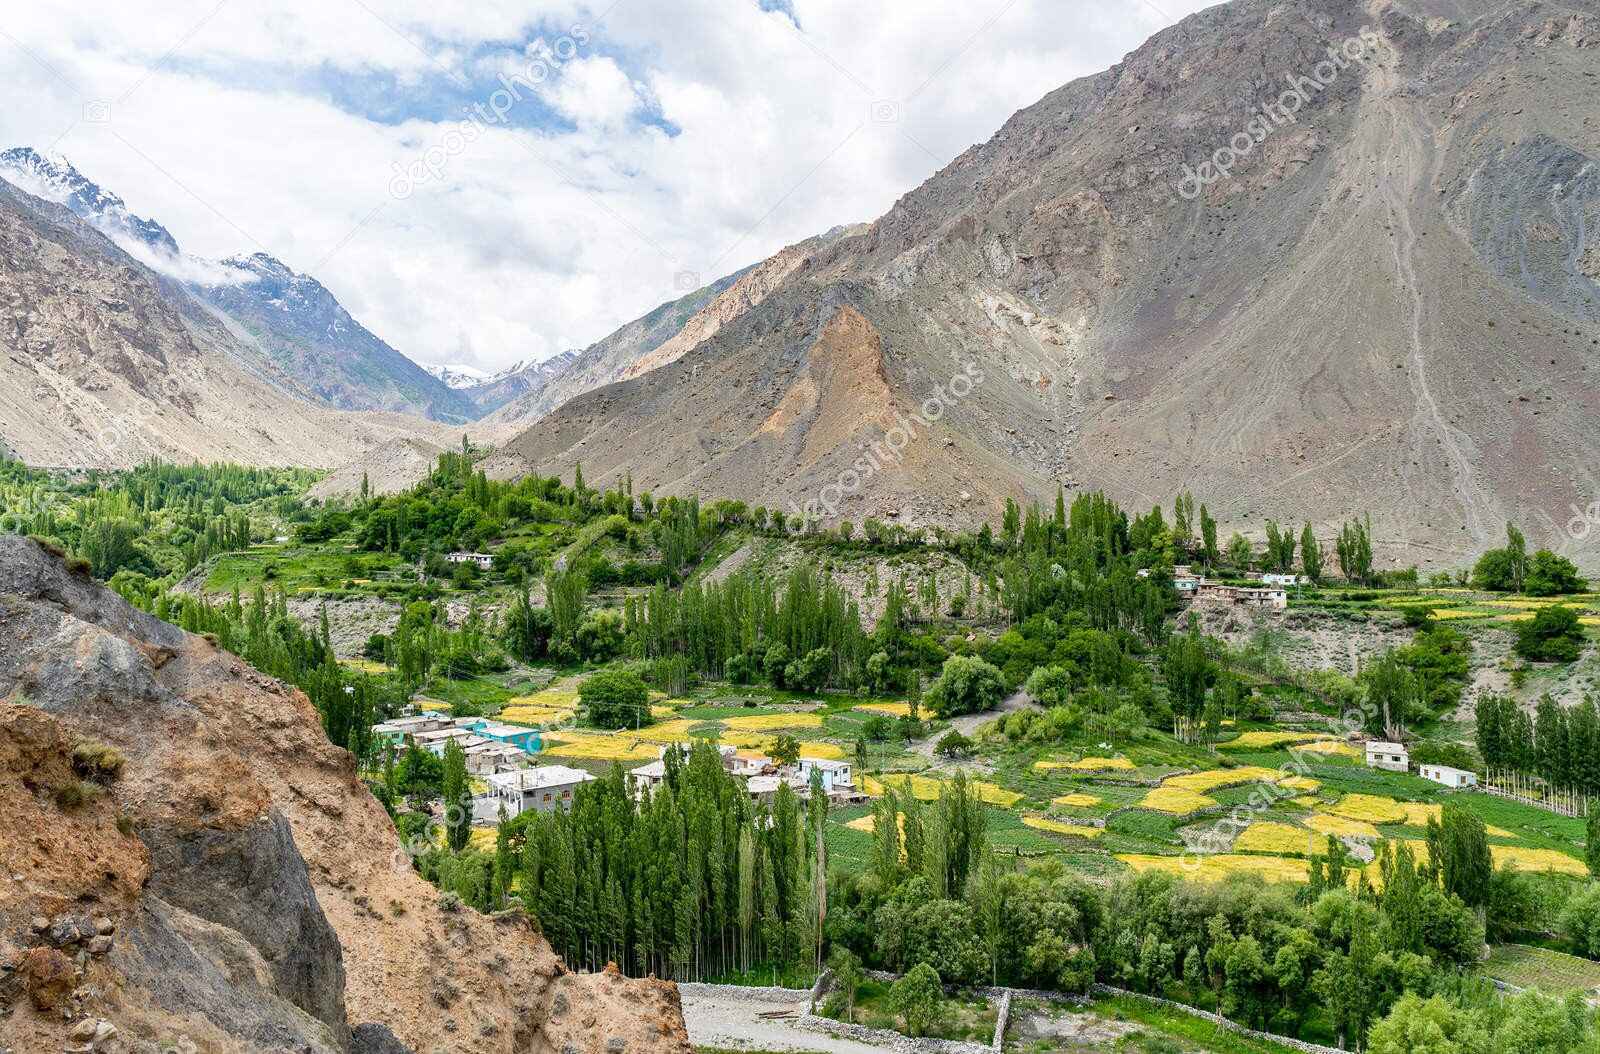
188 864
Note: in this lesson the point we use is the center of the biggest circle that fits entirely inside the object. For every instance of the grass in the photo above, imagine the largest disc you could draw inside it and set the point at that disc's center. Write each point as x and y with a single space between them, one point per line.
969 1018
1194 1033
1550 971
1176 801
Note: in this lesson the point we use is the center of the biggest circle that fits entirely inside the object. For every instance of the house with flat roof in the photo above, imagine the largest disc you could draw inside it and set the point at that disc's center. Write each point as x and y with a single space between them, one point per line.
397 730
542 789
434 742
483 560
526 739
835 774
1392 757
490 757
1447 776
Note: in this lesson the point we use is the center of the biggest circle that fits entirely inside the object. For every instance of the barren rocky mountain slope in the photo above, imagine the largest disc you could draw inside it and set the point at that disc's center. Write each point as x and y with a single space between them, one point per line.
664 335
1389 306
234 887
104 363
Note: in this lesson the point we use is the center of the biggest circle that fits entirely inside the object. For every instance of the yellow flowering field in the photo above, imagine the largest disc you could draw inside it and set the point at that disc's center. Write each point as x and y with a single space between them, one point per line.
925 788
1175 800
1213 779
1301 783
534 715
1221 866
1330 748
1373 808
431 706
1260 740
366 666
664 733
660 712
1076 800
1340 826
769 722
598 746
892 709
564 698
1043 823
1529 859
1307 801
1418 813
1269 837
1086 765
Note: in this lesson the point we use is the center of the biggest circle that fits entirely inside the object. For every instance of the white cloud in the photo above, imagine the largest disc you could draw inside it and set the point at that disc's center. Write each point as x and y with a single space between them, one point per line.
224 126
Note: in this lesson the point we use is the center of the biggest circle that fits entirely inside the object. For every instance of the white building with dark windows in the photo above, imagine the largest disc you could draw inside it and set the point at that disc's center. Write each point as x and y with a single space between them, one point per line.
1392 757
542 789
1444 775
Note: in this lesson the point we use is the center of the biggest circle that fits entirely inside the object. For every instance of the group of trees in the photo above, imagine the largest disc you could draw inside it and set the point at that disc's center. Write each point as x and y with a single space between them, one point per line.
1510 569
1559 745
156 519
692 881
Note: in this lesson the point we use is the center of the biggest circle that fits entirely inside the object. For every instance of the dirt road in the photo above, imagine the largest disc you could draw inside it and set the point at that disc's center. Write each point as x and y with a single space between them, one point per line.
733 1021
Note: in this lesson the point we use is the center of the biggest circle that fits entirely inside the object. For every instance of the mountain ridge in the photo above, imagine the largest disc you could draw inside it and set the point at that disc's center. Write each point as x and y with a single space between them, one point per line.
1315 325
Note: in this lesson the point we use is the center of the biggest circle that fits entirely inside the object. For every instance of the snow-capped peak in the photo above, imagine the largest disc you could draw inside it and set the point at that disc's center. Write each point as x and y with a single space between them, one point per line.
458 375
54 178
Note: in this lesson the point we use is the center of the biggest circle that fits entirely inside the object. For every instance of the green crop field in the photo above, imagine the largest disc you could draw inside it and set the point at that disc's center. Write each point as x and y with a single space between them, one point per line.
1550 971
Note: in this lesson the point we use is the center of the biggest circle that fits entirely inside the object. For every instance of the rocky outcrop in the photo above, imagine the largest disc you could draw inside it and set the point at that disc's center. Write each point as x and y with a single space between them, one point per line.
191 861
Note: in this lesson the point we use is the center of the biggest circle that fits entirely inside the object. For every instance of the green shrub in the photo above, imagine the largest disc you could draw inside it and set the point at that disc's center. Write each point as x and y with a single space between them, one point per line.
93 760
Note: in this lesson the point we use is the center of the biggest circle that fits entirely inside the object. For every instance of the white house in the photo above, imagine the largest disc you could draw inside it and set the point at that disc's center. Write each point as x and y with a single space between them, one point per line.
543 789
484 561
1390 756
1450 777
1281 580
434 742
647 778
835 774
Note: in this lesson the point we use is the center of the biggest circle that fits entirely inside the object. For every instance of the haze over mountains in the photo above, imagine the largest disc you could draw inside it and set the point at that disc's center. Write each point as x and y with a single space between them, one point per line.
1388 304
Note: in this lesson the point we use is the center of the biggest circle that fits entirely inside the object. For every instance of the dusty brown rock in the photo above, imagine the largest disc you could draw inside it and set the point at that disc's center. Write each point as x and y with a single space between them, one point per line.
256 846
47 976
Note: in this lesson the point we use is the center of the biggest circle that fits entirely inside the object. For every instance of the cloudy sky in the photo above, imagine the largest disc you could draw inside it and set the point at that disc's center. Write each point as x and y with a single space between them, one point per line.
485 181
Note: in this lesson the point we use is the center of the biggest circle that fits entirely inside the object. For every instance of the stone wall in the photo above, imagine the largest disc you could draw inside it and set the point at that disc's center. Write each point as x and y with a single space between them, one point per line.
1220 1021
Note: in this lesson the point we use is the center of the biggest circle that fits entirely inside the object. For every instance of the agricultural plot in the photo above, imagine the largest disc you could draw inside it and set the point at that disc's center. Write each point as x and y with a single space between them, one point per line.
1550 971
1044 823
1221 866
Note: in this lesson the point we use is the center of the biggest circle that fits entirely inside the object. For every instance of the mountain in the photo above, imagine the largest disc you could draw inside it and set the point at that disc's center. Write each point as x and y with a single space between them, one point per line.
296 323
1383 301
210 873
105 363
298 333
458 375
660 337
519 380
54 179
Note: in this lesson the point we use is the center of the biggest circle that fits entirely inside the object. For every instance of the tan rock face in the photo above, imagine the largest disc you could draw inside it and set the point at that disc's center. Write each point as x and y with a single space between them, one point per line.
257 827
